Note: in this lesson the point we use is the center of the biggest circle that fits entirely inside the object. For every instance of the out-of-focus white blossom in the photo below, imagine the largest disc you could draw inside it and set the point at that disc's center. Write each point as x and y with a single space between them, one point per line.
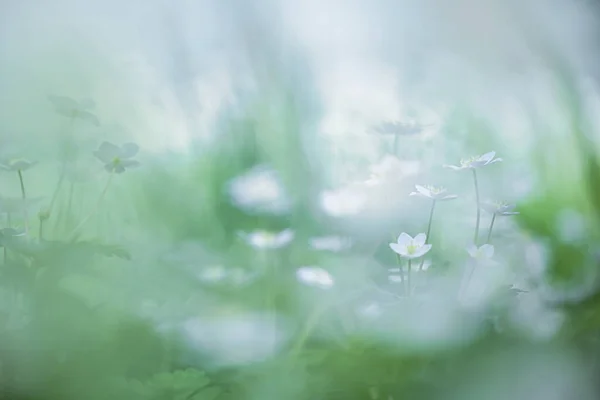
261 239
432 192
315 276
475 161
330 243
259 190
483 252
499 208
343 202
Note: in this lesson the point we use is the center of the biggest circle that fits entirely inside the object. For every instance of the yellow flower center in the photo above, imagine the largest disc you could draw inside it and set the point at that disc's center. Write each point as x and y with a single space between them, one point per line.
411 248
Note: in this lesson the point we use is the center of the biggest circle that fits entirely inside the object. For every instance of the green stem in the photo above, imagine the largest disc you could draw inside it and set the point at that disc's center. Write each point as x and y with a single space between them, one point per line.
409 280
4 256
399 261
63 170
469 278
476 236
313 320
25 214
428 232
100 198
41 233
70 203
491 227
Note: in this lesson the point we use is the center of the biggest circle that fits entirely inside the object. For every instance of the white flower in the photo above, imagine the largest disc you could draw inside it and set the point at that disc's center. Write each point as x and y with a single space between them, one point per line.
342 202
330 243
409 247
71 108
484 252
315 276
432 192
259 189
499 208
475 162
268 240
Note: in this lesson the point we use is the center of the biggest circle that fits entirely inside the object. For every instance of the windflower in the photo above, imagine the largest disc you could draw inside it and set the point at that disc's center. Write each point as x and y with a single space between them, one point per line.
434 193
483 252
330 243
259 189
409 247
19 164
71 108
268 240
117 158
342 202
475 162
499 208
315 276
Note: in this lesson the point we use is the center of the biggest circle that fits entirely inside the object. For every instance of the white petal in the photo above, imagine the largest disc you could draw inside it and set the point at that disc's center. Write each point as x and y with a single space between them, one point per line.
420 239
399 249
404 239
510 213
426 265
454 167
487 157
487 250
448 197
495 160
422 251
315 276
472 250
415 194
423 190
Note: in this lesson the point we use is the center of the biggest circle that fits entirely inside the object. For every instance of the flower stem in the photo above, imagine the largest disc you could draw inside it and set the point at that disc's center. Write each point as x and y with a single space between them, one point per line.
491 227
24 200
63 170
428 232
100 198
409 280
399 261
41 233
476 236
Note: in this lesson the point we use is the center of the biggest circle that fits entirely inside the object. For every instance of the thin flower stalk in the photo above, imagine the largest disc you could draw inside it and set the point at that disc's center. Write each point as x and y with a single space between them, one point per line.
476 235
491 227
25 213
428 231
98 203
